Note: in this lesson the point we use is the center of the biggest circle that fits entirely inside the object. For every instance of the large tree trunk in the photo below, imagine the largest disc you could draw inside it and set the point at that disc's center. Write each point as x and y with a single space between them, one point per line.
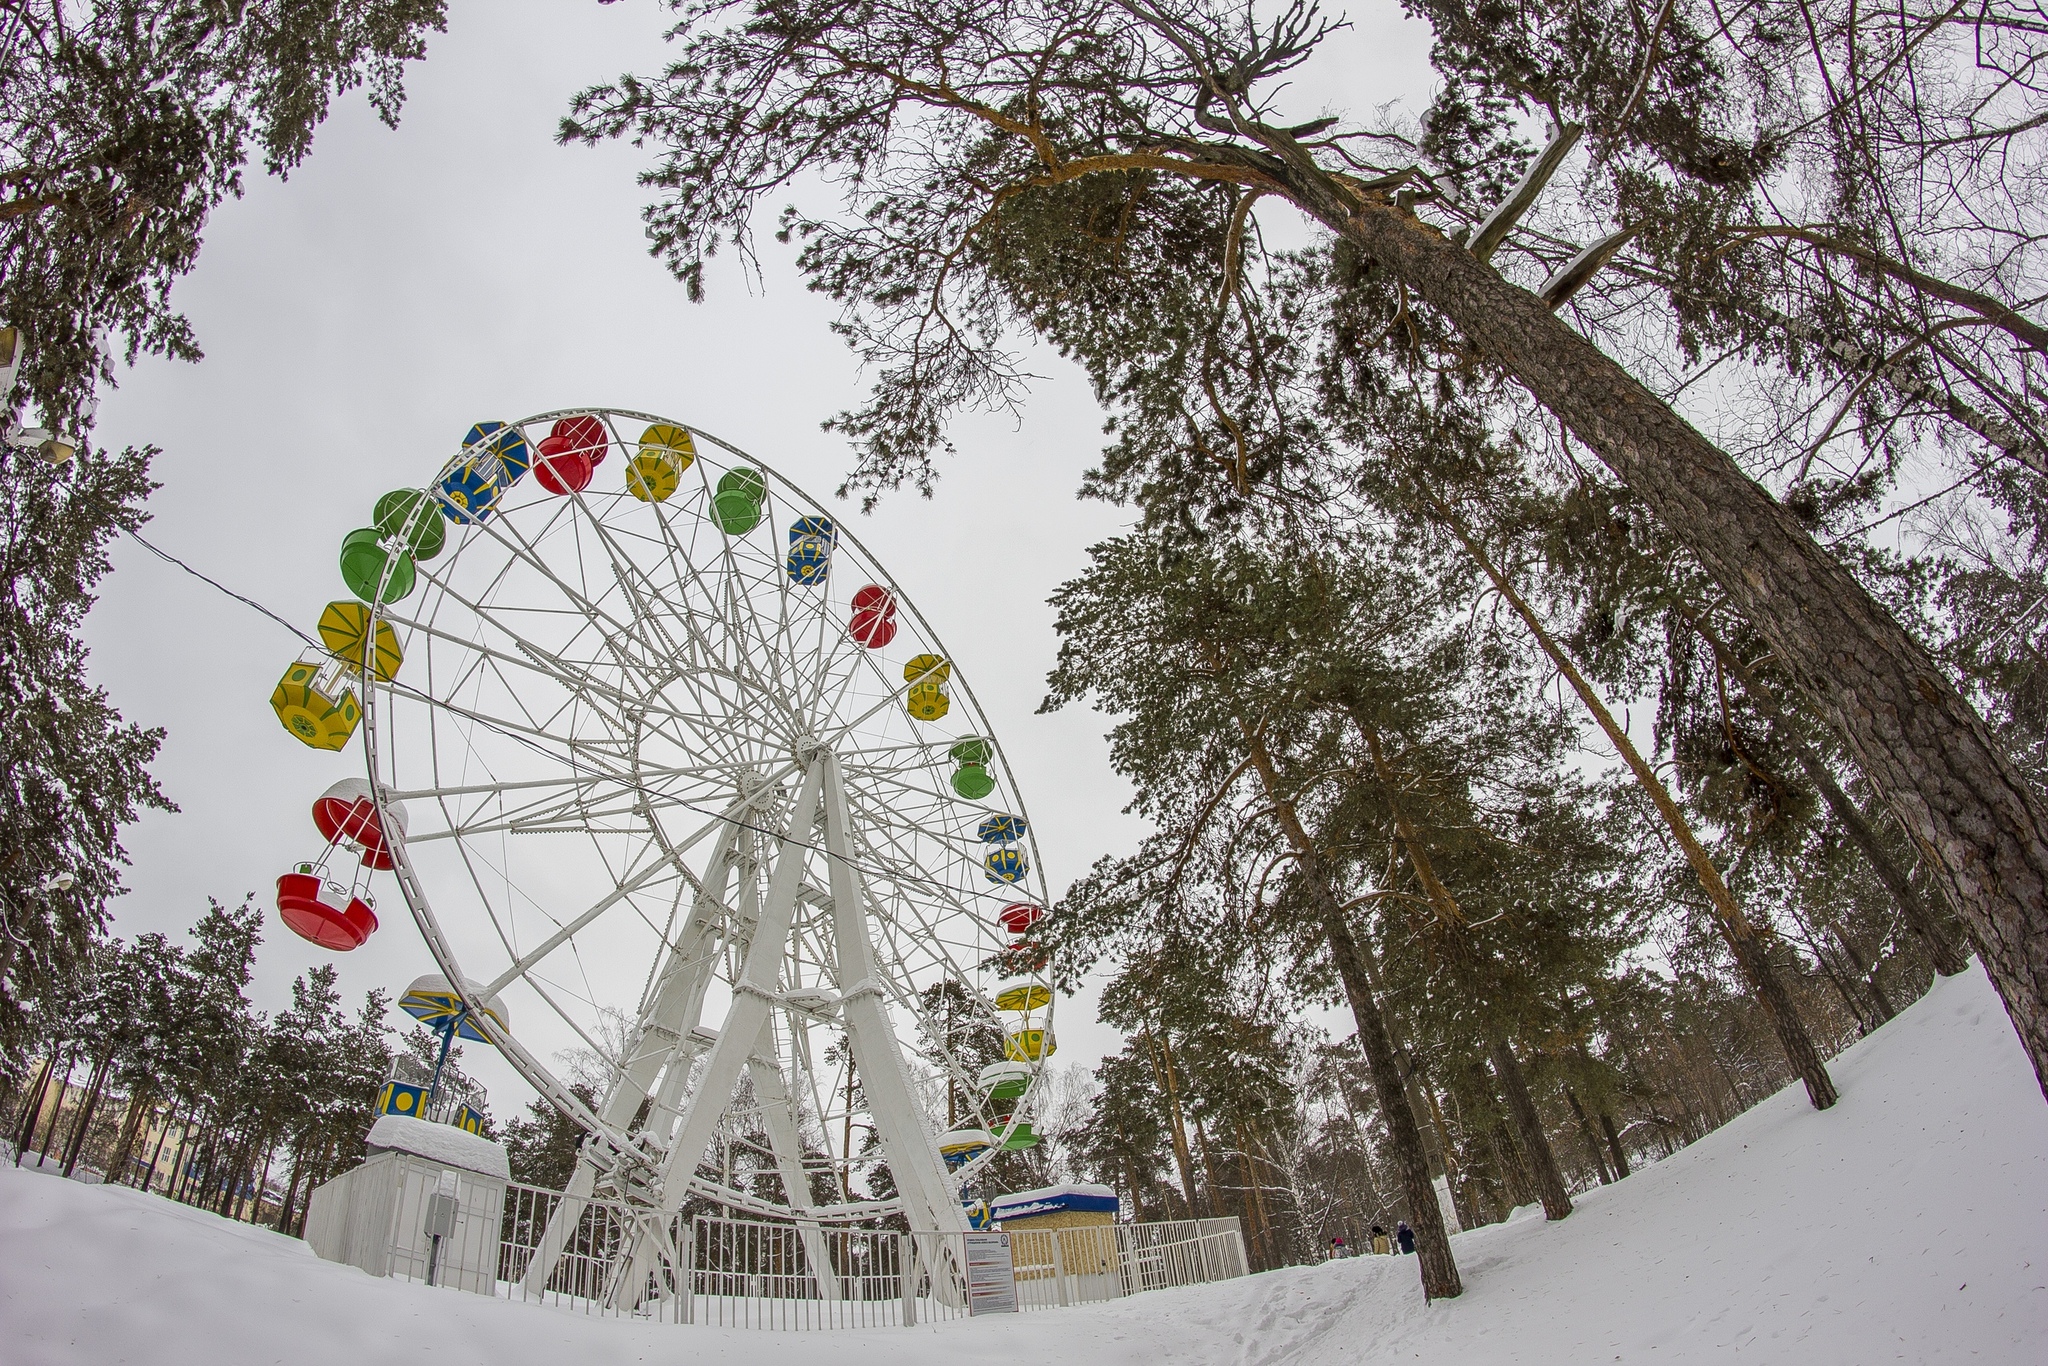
1941 946
1535 1144
1432 1243
1909 730
291 1191
124 1147
32 1107
1614 1147
1586 1131
57 1110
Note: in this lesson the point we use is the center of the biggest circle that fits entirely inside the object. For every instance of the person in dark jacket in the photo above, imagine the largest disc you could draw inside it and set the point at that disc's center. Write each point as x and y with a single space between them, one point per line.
1405 1236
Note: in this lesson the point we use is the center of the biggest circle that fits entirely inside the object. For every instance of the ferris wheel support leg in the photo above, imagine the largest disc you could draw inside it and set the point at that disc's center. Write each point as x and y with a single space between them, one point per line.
907 1142
663 1041
771 1094
562 1221
752 997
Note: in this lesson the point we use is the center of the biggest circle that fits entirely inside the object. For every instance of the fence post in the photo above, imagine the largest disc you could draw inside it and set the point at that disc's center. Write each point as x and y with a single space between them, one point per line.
688 1272
906 1264
1059 1270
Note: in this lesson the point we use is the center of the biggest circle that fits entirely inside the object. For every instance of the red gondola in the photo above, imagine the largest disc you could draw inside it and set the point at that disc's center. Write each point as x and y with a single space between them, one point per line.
336 915
566 456
1020 916
331 915
346 814
874 616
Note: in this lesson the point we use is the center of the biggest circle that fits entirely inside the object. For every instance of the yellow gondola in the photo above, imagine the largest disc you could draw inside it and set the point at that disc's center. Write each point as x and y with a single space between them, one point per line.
928 699
343 626
1024 996
315 704
656 472
1029 1045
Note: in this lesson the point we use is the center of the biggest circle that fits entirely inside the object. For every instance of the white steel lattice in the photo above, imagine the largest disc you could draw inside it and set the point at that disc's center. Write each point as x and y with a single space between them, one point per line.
666 804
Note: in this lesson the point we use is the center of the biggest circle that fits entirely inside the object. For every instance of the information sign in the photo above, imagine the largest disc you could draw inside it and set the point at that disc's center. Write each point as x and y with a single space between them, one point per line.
991 1276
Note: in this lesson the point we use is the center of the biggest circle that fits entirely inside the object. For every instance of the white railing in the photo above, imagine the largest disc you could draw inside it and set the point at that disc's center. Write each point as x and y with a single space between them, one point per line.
625 1262
758 1275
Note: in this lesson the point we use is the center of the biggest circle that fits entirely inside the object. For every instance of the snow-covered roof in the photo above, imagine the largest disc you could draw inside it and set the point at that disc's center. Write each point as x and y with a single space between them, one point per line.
443 1143
1051 1199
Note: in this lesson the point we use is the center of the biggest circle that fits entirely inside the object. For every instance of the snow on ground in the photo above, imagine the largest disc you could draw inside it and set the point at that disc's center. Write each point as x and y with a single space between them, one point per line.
1909 1223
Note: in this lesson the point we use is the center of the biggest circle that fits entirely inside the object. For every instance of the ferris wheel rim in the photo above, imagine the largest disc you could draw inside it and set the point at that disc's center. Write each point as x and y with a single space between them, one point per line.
537 1074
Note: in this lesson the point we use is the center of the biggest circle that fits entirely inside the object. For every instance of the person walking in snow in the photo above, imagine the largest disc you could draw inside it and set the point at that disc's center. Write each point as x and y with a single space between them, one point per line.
1337 1246
1406 1236
1381 1244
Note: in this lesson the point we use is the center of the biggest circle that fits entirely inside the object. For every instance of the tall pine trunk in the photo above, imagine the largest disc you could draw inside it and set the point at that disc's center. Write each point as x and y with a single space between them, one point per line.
291 1191
57 1110
1927 926
1921 745
1614 1147
124 1146
1404 1135
1177 1126
1535 1143
32 1107
95 1084
1586 1132
1432 1241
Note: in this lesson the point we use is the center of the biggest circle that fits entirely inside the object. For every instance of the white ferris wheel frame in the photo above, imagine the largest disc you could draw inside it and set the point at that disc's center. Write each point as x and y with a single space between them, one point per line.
613 1149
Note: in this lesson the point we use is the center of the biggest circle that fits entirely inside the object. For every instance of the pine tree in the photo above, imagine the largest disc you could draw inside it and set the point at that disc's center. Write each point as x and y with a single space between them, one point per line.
1107 195
72 772
127 123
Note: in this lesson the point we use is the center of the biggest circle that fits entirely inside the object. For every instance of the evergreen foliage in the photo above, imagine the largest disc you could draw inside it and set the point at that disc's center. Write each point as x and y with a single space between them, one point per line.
72 772
1746 236
190 1091
124 124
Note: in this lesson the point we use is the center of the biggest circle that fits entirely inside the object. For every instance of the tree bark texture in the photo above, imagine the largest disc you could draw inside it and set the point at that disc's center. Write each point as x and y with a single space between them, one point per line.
1592 1139
1535 1143
1432 1243
32 1107
1941 947
1614 1147
1181 1156
1922 746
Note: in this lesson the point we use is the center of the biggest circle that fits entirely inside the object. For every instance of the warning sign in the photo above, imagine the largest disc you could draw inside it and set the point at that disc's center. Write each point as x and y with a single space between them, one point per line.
991 1277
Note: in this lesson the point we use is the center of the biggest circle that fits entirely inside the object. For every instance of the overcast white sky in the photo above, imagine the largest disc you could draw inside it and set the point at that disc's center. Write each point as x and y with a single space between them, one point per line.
402 285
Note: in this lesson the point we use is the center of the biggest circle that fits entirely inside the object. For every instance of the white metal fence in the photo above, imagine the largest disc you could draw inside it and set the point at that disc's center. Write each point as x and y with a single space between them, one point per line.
618 1261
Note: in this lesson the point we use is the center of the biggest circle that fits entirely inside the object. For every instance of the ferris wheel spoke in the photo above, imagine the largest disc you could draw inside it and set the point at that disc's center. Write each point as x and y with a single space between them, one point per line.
527 656
527 961
498 528
633 582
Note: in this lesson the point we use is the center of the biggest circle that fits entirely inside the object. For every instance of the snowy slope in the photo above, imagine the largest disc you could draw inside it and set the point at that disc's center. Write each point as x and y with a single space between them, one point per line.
1909 1223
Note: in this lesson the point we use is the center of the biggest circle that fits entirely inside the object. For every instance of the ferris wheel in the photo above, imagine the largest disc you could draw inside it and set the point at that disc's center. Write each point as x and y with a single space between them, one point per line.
673 775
